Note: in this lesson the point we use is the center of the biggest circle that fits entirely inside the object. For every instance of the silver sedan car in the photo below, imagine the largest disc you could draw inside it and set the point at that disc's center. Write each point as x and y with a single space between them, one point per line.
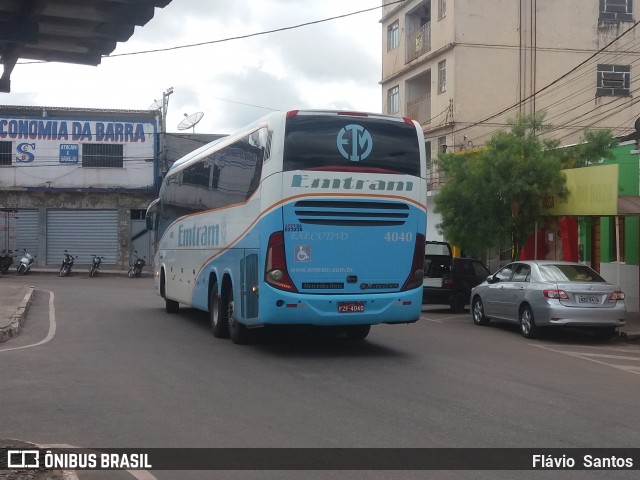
544 293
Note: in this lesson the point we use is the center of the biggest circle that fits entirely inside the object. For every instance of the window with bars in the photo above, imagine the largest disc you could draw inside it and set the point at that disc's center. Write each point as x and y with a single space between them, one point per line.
393 35
138 214
442 76
5 153
442 8
616 10
393 100
96 155
613 80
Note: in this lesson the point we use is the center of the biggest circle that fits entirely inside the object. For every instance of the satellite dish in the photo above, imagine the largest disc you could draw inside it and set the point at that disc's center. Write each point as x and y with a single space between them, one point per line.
190 121
156 105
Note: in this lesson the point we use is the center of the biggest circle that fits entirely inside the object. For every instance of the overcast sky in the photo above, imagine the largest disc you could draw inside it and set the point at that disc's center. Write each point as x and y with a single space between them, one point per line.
334 64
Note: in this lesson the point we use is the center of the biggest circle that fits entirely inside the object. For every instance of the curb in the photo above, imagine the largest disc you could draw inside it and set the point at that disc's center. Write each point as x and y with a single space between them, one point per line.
18 319
82 272
629 336
30 473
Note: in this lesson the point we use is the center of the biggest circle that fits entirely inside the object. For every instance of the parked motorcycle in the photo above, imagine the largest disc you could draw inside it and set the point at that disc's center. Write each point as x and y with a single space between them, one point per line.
6 260
25 262
138 265
67 264
95 265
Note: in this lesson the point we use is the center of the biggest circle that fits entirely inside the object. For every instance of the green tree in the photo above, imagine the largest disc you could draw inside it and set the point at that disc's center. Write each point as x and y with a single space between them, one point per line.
494 194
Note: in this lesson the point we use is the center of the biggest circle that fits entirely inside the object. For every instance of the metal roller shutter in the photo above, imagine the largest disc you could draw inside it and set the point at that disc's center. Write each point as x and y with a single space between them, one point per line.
27 232
82 232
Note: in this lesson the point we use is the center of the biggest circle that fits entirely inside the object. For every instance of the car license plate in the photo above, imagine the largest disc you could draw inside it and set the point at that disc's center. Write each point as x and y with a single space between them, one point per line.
589 299
350 307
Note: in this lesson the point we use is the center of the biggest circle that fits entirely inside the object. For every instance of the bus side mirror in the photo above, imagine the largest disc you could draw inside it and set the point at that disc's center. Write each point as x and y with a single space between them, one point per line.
149 221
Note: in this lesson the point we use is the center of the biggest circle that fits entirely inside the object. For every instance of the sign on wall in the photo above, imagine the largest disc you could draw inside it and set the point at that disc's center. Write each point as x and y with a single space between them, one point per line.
69 152
38 139
592 191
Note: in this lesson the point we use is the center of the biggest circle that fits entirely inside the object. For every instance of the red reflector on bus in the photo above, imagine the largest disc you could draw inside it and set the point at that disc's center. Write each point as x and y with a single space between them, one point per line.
292 305
292 113
408 121
353 114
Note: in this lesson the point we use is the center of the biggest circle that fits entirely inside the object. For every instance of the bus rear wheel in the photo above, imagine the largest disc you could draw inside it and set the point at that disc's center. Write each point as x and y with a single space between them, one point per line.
171 306
357 332
218 314
237 331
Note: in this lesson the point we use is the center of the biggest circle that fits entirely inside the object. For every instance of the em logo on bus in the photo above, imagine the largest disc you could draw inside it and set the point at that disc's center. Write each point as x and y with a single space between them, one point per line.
361 142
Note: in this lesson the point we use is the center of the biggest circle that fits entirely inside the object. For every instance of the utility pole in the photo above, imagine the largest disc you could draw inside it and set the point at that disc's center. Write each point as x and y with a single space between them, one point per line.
163 131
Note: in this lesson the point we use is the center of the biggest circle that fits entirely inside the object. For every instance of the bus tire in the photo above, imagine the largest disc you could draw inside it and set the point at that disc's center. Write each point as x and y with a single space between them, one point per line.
237 331
357 332
171 306
217 314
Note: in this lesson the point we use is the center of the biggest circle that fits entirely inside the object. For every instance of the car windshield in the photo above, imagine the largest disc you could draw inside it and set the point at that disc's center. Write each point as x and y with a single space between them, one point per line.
569 273
437 249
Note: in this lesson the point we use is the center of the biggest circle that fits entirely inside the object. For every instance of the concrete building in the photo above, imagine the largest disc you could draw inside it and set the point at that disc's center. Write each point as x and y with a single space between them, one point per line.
77 179
462 68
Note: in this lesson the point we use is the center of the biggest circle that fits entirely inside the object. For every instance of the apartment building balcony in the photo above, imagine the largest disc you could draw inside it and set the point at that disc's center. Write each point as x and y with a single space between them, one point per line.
418 42
419 109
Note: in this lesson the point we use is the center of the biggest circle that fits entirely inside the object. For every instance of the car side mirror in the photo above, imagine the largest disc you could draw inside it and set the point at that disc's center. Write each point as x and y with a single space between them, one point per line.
491 279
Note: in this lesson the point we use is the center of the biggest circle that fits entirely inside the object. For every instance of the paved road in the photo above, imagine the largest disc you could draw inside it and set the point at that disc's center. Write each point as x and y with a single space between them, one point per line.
100 364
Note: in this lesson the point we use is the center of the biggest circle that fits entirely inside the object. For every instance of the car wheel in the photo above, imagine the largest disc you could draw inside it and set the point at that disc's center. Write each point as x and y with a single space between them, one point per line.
237 331
604 333
458 303
217 314
357 332
528 326
477 312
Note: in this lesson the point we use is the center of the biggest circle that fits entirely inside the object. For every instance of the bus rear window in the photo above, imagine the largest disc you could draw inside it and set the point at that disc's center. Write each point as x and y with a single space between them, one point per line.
358 144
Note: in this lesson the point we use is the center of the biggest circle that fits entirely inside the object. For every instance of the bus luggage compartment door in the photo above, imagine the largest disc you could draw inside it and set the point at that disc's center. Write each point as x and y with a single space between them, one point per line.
249 281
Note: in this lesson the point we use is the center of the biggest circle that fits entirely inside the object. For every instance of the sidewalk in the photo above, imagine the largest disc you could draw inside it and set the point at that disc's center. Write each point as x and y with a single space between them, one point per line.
15 299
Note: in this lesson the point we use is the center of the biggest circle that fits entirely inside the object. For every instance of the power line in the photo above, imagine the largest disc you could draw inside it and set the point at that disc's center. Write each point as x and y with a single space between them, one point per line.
557 80
239 37
250 35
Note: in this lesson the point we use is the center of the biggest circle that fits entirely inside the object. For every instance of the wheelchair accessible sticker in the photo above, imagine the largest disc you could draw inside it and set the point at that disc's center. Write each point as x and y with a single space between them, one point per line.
303 253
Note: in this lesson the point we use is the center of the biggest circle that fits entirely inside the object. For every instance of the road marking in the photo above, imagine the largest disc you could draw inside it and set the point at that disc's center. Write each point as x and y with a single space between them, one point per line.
52 327
430 319
593 357
446 319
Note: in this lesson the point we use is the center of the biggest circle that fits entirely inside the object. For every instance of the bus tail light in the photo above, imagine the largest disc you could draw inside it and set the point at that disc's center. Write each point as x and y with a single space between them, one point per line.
416 275
275 269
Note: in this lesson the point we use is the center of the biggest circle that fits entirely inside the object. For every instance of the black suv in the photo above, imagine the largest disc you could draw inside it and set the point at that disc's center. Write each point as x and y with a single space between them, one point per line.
448 280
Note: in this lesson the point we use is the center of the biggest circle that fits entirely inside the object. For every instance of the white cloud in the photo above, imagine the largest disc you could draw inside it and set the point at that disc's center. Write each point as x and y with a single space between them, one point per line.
334 64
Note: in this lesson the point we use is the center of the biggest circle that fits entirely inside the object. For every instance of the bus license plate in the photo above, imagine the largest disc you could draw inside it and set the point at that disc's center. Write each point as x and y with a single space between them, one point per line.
350 307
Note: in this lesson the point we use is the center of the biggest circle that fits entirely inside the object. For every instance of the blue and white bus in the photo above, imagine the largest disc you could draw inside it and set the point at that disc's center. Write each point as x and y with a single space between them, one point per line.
304 217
